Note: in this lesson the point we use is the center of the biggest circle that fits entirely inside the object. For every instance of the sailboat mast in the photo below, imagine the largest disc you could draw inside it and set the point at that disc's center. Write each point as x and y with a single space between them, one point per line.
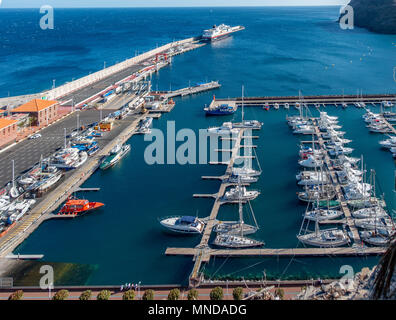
240 205
243 91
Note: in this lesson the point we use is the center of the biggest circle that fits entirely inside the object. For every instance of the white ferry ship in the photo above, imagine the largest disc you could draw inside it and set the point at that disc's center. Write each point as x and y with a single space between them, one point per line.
220 32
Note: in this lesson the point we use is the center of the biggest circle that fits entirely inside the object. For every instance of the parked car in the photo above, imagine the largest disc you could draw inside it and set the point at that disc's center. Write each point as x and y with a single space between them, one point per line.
35 136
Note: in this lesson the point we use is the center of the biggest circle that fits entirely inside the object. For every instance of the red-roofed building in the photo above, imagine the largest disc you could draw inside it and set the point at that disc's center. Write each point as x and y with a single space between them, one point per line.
42 112
8 131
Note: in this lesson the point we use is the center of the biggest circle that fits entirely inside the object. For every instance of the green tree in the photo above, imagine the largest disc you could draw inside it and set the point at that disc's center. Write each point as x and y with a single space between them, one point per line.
237 293
192 294
216 294
128 295
103 295
61 295
17 295
280 293
148 295
86 295
174 294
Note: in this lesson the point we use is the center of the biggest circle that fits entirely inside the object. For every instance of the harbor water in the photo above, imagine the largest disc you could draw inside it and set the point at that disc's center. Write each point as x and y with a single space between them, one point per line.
282 51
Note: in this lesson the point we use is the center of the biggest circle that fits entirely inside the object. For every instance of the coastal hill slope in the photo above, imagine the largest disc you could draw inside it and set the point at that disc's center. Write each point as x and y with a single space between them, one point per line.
375 15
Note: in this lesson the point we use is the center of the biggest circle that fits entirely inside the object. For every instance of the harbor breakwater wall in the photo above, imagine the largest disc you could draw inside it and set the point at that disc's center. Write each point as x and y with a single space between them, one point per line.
69 87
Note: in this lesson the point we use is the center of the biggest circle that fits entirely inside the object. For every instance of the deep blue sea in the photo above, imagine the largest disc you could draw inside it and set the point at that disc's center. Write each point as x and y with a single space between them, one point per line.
282 51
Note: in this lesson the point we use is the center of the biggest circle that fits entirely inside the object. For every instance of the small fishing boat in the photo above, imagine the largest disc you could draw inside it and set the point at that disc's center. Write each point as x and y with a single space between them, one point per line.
78 207
221 110
116 154
184 224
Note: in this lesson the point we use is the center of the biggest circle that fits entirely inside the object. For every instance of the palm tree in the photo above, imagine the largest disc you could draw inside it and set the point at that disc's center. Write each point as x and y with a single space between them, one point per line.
385 270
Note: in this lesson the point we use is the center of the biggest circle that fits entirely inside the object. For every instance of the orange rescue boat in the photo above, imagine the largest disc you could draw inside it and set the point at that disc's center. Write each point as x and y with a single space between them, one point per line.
78 207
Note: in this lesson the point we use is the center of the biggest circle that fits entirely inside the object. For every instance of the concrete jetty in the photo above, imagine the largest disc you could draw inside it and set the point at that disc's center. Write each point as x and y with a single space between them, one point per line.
191 90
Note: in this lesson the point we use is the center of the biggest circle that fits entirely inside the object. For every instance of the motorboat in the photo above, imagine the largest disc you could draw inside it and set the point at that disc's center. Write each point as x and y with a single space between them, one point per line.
245 171
311 162
83 158
78 207
243 179
309 178
239 192
225 129
184 224
116 154
248 124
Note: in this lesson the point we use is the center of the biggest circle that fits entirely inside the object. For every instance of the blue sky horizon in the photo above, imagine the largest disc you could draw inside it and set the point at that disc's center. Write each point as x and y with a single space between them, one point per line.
165 3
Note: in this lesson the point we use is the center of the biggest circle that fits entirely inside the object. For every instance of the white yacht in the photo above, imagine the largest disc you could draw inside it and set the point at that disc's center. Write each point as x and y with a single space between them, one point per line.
83 157
311 162
225 129
326 238
370 212
376 237
185 224
383 223
235 242
243 179
240 193
245 171
322 214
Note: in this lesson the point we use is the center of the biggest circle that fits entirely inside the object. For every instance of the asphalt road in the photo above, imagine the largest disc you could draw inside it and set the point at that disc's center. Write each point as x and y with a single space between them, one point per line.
93 89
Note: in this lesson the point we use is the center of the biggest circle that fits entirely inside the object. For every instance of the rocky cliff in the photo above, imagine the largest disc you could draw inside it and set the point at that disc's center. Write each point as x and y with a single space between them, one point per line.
375 15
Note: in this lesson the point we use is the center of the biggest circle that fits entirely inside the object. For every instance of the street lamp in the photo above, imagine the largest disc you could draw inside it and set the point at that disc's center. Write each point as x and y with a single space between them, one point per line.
139 289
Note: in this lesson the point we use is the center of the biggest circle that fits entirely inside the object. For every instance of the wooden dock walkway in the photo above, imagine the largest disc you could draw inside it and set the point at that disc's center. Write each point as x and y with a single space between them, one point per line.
390 126
192 90
340 196
317 99
289 252
201 252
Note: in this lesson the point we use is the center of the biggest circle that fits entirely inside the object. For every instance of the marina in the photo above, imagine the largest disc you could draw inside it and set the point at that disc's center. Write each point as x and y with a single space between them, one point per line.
124 110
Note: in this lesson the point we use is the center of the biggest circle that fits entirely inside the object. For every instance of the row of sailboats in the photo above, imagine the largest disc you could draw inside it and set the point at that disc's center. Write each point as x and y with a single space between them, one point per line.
320 194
